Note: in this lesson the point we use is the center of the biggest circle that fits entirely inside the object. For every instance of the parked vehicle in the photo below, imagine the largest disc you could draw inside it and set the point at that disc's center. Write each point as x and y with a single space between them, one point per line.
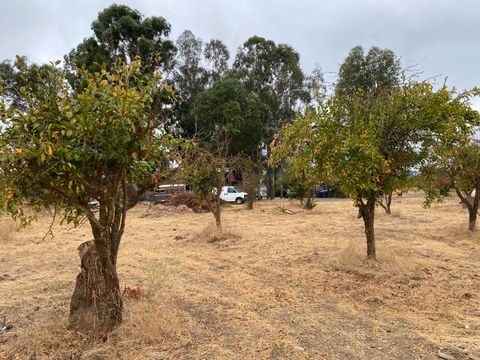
162 193
261 193
324 193
232 194
94 204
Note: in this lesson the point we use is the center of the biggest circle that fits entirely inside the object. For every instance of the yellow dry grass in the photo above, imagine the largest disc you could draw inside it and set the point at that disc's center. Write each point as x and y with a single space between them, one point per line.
280 285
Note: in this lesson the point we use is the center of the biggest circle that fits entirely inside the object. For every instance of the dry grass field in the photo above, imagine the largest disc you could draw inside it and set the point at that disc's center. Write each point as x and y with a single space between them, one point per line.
279 286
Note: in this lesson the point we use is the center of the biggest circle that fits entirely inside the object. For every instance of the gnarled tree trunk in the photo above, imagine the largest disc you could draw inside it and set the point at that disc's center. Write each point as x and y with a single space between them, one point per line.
471 204
96 303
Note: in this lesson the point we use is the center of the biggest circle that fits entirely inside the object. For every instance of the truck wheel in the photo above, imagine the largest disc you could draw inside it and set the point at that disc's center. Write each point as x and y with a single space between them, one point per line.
239 200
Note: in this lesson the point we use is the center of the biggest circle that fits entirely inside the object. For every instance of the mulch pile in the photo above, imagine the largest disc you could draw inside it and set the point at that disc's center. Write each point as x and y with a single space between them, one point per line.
160 210
190 201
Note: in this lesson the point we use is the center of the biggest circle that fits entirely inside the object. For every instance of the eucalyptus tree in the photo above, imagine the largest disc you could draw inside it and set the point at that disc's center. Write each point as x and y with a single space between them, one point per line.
190 78
371 73
122 32
229 121
272 71
316 87
229 118
216 56
197 67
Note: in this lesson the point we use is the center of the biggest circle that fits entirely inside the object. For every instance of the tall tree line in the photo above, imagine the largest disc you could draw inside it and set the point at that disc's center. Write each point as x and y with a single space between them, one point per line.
240 107
235 103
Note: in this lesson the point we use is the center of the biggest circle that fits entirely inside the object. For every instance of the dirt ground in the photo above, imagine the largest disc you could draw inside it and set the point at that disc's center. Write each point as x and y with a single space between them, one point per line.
279 286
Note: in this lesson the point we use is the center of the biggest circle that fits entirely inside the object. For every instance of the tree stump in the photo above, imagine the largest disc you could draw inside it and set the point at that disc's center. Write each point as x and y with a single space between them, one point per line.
96 303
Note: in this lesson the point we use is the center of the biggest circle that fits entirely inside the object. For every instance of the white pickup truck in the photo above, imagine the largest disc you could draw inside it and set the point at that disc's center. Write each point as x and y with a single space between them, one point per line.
231 194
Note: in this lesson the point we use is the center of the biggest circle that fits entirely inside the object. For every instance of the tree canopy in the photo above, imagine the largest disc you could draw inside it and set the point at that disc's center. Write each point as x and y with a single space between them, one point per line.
371 73
230 118
17 74
197 67
122 32
272 72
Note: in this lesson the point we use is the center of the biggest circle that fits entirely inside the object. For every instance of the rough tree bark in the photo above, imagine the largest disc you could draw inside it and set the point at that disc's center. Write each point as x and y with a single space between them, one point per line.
96 303
472 220
218 221
250 198
215 207
367 210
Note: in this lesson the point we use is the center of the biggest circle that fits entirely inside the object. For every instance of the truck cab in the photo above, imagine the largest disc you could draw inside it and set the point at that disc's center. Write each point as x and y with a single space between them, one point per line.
232 194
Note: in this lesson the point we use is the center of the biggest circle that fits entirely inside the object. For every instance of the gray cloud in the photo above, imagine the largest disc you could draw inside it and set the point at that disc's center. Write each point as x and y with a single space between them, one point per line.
442 36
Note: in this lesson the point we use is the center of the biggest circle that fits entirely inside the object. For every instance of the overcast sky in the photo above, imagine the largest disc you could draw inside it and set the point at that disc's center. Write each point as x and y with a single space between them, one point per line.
442 36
